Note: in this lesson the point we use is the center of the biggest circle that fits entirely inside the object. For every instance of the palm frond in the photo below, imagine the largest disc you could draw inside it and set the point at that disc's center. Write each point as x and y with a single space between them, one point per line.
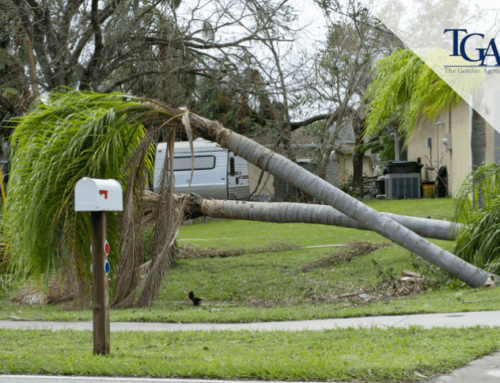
73 135
479 240
406 89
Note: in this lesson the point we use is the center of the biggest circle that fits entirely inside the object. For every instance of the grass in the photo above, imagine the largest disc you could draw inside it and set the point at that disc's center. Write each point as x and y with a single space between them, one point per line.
434 302
367 354
262 286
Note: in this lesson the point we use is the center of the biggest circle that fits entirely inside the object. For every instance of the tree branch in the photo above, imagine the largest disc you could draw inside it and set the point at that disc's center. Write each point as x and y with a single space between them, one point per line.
149 72
310 120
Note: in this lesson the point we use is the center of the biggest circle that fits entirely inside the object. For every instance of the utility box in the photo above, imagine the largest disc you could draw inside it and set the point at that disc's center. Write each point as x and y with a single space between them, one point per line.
398 186
98 195
447 141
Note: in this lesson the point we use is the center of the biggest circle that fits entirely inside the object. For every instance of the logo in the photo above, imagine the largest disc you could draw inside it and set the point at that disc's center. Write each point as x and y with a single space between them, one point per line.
460 49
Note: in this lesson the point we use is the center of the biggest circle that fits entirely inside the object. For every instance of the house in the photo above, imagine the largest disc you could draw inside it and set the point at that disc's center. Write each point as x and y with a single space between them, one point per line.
447 142
306 149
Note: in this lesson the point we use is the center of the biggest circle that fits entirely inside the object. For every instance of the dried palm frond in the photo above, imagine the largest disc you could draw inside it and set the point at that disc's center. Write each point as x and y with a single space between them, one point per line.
167 215
34 293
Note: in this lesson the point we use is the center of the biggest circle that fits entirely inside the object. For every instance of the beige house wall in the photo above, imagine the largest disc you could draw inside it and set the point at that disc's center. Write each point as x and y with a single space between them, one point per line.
266 186
458 160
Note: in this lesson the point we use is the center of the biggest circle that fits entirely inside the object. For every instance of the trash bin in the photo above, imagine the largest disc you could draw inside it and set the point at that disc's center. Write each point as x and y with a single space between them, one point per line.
403 167
428 190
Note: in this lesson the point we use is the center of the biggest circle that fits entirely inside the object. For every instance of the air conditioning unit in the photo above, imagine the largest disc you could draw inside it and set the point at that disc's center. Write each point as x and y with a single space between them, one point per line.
399 186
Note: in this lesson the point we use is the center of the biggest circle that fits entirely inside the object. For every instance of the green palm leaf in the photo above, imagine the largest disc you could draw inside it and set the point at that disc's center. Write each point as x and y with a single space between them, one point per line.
73 135
406 89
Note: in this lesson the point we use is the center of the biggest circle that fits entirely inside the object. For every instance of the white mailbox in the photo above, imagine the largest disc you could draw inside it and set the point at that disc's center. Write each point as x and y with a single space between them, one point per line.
98 195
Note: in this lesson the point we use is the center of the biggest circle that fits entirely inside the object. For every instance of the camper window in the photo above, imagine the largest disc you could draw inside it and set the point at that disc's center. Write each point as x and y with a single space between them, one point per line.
231 166
200 163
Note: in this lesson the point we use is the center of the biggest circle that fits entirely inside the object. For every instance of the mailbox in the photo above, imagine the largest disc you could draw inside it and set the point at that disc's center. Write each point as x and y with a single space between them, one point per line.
98 195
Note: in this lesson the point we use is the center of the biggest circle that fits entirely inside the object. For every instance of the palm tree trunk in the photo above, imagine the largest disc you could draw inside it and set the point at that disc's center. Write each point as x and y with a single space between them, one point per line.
285 169
307 213
478 148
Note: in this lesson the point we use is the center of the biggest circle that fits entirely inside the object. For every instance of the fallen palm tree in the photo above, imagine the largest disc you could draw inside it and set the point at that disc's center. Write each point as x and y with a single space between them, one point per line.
289 171
111 136
283 212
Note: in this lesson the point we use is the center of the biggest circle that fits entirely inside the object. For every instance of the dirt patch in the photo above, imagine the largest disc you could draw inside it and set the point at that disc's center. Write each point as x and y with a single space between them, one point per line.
353 250
195 251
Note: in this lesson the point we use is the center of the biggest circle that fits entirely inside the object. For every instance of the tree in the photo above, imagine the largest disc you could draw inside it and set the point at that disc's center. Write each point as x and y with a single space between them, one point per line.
407 90
118 45
15 95
80 134
358 127
478 241
74 135
355 41
304 180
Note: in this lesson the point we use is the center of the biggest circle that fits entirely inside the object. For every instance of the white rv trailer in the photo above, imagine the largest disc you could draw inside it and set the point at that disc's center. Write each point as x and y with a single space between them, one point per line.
217 173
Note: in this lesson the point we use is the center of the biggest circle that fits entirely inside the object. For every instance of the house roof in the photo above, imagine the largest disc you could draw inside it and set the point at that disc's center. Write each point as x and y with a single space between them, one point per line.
300 137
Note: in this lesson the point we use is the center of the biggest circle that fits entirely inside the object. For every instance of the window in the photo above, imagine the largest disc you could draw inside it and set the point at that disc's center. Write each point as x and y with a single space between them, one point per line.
200 163
231 167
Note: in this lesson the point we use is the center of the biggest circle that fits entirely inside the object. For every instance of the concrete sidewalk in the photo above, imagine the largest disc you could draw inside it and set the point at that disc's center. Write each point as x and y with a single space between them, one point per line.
464 319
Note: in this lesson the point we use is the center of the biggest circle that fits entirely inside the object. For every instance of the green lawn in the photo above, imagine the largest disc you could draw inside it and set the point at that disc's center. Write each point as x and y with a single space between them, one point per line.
372 354
264 286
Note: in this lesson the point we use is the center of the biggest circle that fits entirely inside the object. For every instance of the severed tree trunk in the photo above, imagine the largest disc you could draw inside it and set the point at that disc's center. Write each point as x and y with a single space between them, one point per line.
285 169
307 213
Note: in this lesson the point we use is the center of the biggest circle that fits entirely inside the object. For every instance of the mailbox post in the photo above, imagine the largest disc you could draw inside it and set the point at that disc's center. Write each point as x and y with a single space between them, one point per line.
99 197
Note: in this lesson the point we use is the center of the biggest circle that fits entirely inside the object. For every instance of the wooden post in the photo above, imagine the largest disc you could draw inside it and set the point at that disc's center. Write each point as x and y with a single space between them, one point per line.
98 197
100 284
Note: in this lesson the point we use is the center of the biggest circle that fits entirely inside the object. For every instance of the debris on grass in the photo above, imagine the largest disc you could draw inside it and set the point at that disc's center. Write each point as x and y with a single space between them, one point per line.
404 284
353 250
195 251
34 294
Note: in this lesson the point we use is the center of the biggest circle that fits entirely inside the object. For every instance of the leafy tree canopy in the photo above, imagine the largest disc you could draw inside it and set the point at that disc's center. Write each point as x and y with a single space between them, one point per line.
407 90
